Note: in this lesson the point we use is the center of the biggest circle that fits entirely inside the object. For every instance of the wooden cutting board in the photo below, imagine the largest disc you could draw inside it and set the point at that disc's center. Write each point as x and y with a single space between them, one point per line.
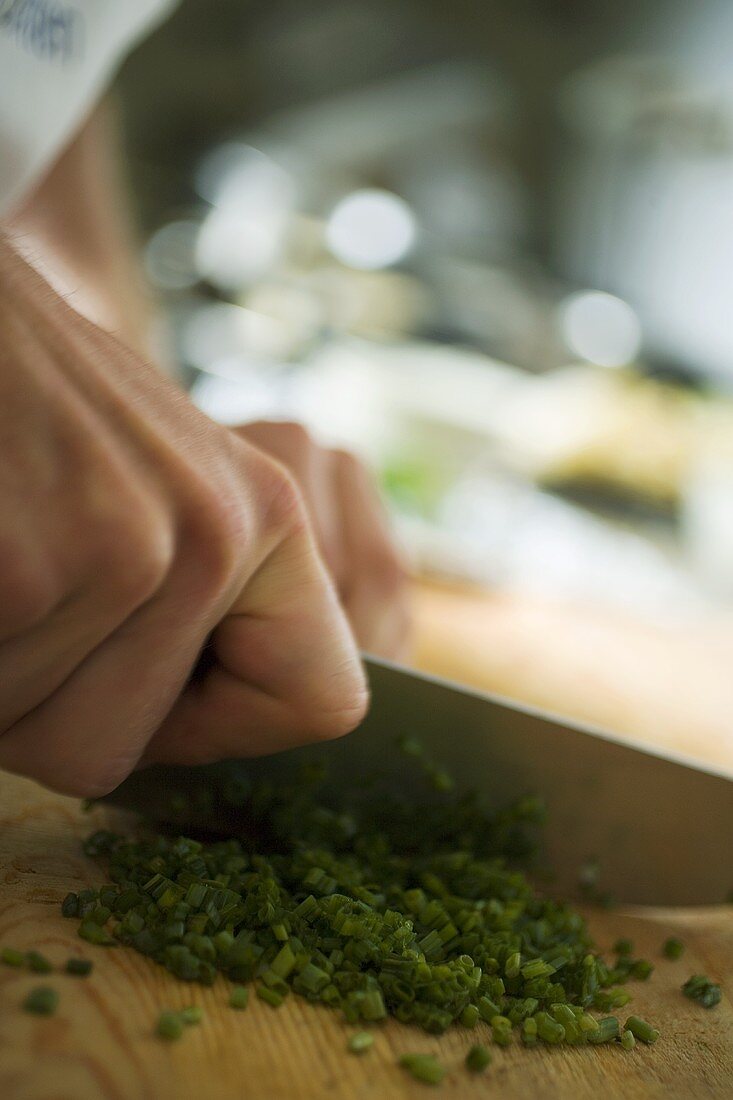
101 1042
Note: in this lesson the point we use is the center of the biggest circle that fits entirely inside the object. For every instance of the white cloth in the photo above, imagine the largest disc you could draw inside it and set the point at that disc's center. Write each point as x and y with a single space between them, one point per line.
56 56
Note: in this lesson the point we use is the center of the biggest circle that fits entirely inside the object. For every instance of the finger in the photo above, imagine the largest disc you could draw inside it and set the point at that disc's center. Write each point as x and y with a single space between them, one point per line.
86 571
287 672
87 735
375 595
310 466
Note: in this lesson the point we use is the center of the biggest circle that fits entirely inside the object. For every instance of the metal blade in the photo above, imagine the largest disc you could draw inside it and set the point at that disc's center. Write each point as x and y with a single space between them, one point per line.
660 827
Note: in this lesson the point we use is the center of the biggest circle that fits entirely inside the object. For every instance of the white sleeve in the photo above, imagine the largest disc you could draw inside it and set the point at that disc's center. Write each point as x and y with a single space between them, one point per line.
56 56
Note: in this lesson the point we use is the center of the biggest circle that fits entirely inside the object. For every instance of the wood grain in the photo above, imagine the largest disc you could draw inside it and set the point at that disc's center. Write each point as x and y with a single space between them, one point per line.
101 1043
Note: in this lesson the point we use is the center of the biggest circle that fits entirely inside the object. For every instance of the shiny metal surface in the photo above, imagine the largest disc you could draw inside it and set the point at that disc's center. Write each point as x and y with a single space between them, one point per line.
661 828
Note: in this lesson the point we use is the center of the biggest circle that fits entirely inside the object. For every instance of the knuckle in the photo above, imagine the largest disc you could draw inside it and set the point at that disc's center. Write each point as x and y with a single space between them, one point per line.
28 589
348 461
284 509
215 533
391 572
276 500
227 524
384 568
136 550
298 438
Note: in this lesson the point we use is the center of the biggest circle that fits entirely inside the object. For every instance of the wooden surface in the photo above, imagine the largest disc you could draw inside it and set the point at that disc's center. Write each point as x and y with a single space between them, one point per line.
667 685
101 1042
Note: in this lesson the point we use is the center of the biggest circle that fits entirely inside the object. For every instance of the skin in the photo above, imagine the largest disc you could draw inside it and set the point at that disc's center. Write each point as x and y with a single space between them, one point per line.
136 534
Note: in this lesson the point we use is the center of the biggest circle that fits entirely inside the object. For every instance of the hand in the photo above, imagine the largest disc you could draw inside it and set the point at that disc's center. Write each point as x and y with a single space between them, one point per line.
133 532
353 536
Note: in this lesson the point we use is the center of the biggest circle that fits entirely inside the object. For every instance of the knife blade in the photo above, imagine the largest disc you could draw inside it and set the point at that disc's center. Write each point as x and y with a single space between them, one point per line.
660 826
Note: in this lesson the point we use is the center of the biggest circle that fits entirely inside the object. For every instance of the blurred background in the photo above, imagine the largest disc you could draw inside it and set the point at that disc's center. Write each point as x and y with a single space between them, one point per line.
490 247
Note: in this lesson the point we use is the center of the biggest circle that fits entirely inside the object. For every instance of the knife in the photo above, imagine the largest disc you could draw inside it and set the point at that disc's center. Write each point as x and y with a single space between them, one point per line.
660 826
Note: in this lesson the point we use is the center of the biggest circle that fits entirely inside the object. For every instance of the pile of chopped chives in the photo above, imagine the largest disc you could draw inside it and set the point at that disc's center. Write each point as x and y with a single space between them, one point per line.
374 907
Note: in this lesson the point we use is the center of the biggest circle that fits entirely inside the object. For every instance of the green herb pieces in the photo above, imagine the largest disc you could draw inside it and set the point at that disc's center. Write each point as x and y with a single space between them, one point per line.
93 932
640 1029
70 906
501 1029
549 1029
606 1032
423 1067
623 947
642 969
701 989
628 1042
192 1014
270 996
374 906
11 957
239 997
80 967
360 1042
170 1025
37 962
673 948
529 1032
478 1058
42 1001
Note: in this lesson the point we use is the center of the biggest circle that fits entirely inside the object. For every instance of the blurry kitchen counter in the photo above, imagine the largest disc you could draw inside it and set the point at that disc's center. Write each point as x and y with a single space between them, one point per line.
668 686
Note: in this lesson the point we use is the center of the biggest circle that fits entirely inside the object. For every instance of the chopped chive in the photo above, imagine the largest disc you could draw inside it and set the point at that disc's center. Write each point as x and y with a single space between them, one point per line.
478 1058
642 969
623 947
549 1030
606 1031
11 957
487 1009
239 997
423 1067
94 933
538 968
640 1029
501 1029
270 996
284 961
628 1042
80 967
529 1031
513 965
701 989
192 1014
42 1001
360 1042
37 962
673 948
70 906
606 1000
170 1025
470 1016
